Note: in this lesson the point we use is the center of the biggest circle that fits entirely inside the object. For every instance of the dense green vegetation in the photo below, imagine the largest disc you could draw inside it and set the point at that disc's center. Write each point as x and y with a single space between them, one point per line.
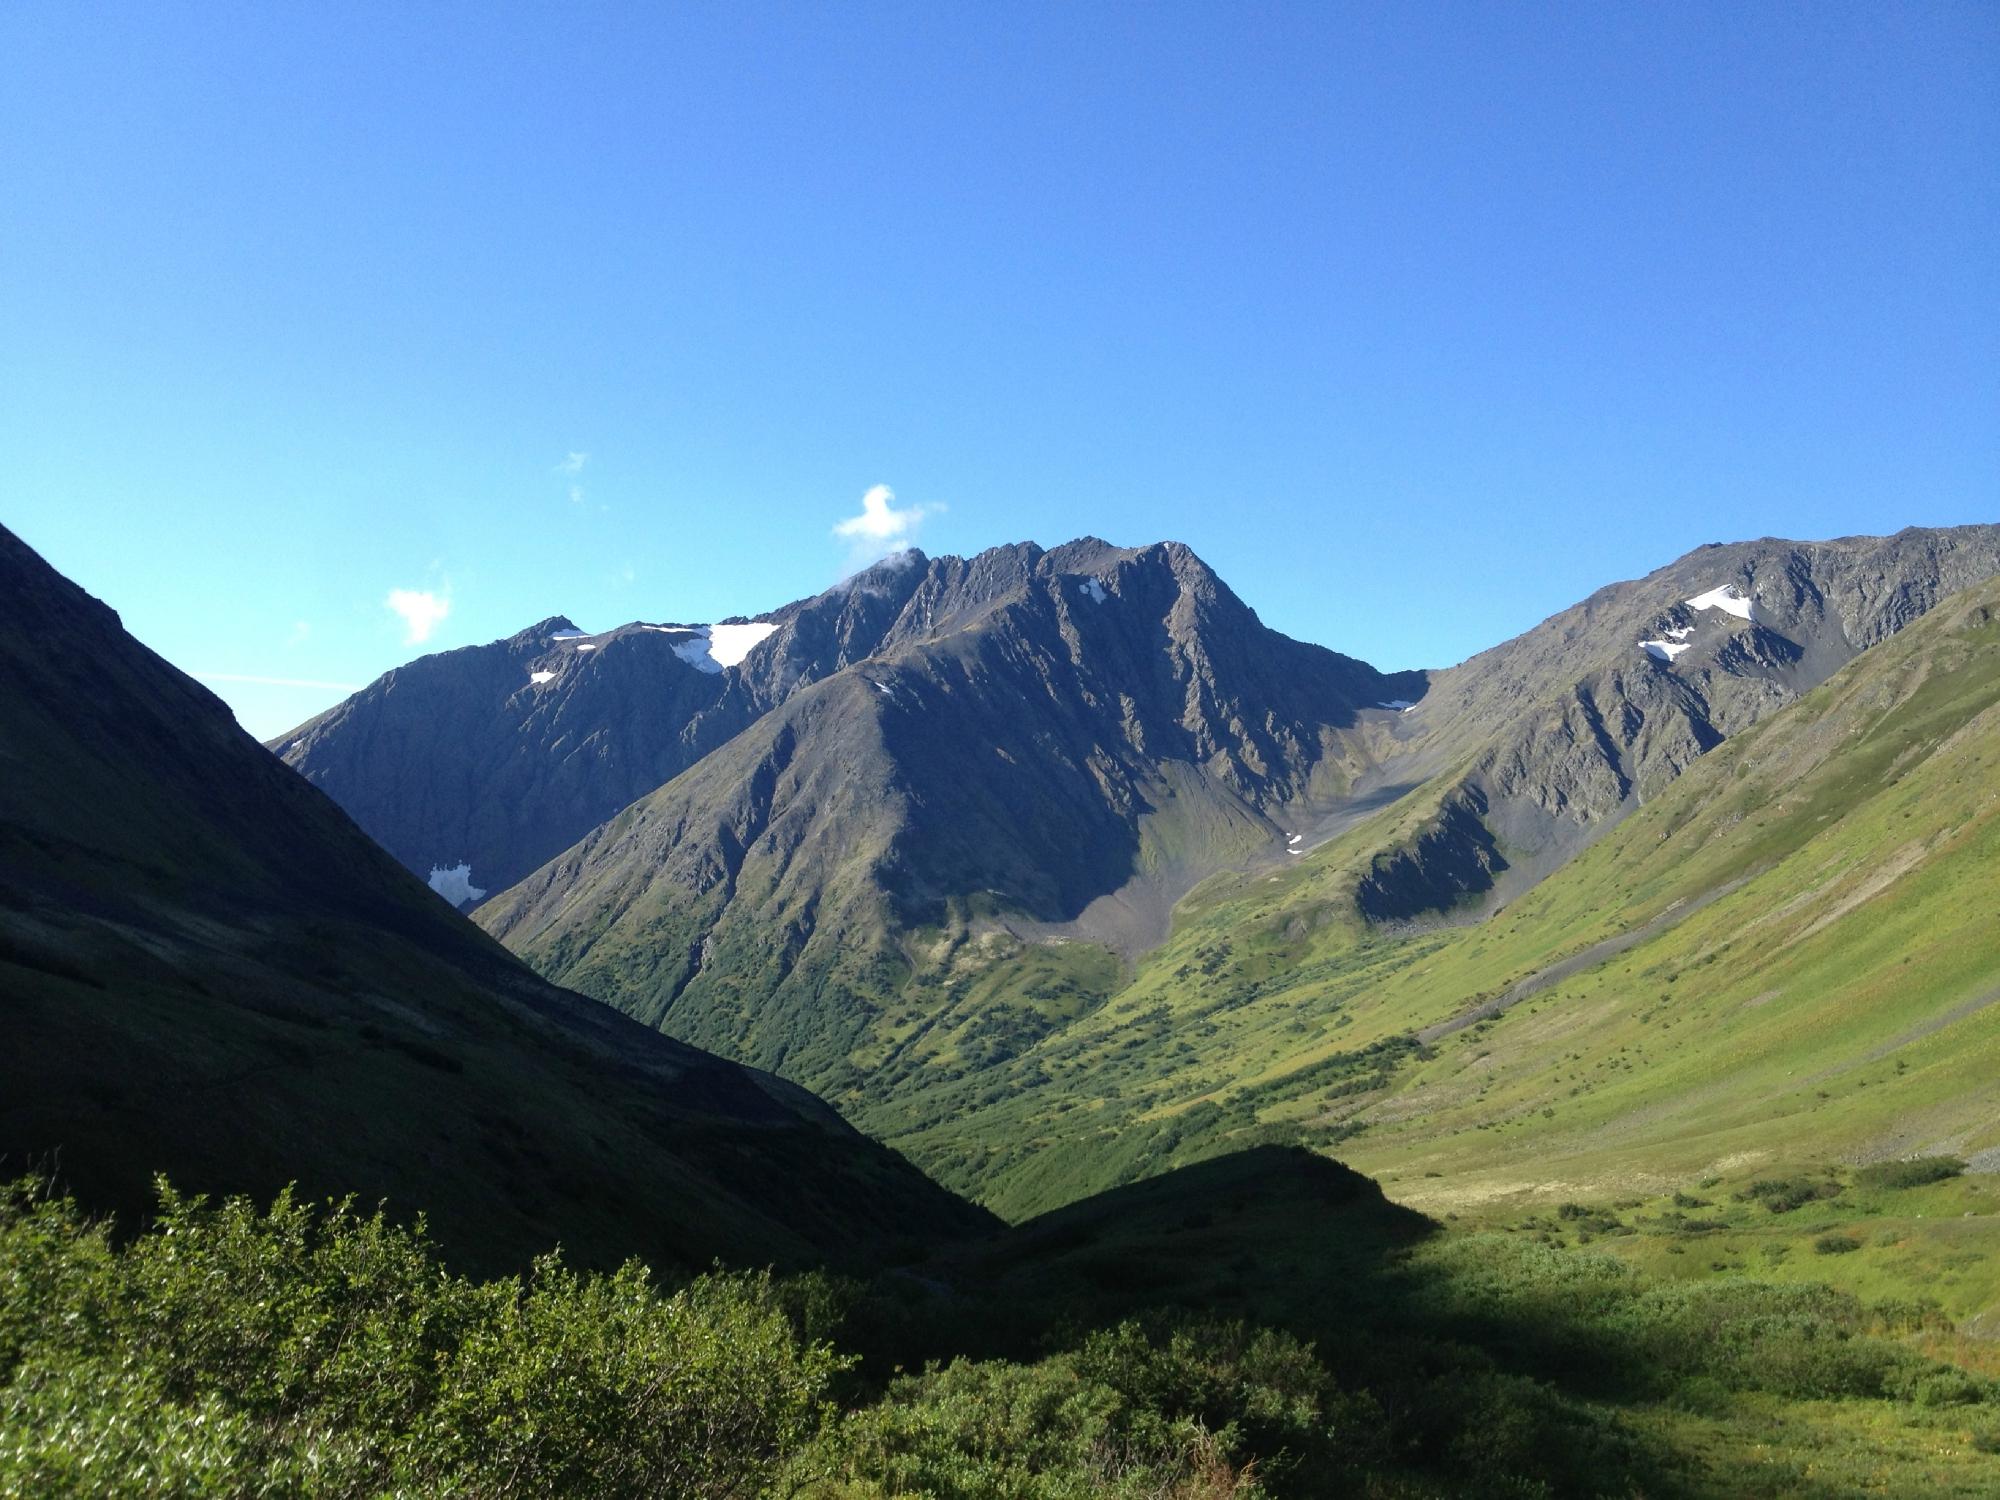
1345 1349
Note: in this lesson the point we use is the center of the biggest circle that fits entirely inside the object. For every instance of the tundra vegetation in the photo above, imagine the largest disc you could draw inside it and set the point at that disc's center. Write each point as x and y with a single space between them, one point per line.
299 1350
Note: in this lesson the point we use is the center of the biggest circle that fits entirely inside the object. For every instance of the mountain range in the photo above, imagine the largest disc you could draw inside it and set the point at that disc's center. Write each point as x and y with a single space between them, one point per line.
929 842
1108 916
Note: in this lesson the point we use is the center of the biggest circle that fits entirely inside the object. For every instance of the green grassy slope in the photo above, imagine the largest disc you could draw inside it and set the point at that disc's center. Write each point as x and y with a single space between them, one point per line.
1787 957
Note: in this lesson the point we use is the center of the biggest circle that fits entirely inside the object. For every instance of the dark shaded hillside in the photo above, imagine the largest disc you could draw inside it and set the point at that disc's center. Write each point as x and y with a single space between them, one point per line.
207 969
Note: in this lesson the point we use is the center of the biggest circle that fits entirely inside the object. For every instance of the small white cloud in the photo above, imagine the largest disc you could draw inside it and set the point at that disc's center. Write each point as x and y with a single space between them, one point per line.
881 528
421 611
573 464
300 630
576 494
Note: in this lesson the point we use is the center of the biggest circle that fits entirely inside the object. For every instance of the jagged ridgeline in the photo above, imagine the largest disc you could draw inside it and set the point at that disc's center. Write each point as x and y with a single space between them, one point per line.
206 969
925 839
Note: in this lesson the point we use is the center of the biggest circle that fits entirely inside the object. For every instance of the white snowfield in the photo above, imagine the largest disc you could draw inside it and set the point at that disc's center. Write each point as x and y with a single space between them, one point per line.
720 646
571 635
455 884
541 676
587 646
1728 597
1094 589
729 644
1401 705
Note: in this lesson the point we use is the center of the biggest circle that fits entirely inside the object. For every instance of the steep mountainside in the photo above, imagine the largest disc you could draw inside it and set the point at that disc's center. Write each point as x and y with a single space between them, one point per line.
1046 753
207 969
1561 731
472 766
1788 956
499 757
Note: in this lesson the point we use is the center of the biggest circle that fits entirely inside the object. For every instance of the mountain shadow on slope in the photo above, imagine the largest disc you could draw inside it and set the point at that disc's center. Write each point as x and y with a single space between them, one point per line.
207 969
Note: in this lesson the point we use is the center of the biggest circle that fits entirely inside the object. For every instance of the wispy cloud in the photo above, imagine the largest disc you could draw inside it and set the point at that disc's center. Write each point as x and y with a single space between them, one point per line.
298 682
300 630
421 611
572 465
881 528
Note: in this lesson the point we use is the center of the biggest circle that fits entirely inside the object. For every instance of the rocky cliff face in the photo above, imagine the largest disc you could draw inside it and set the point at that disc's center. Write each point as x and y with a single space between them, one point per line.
499 757
1559 732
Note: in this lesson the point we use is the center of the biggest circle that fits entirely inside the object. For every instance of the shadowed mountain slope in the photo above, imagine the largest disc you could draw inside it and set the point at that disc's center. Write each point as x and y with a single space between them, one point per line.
207 969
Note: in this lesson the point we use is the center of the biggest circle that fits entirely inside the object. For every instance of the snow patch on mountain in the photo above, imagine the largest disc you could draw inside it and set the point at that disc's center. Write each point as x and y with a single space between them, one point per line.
570 635
729 644
541 676
1094 590
455 884
1401 705
719 646
695 653
1664 650
1728 597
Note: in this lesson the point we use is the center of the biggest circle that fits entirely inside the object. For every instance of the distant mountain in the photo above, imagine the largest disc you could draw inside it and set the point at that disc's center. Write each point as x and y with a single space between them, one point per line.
1042 747
471 767
1541 744
206 969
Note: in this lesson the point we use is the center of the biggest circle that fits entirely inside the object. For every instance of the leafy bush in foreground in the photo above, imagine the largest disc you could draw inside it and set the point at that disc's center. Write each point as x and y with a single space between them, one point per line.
299 1352
233 1352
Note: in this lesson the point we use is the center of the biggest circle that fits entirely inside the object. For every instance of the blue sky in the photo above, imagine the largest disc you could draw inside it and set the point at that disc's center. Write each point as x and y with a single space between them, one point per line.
1418 322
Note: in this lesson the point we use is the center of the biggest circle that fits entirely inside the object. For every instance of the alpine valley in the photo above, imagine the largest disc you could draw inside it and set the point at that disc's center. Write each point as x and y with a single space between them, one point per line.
1054 869
1050 1034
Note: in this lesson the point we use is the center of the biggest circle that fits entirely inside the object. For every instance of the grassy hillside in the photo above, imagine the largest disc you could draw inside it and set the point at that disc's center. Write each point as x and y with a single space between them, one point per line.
1788 957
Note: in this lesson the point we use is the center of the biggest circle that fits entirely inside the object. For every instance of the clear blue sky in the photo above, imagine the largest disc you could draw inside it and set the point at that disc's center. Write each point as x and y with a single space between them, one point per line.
1418 322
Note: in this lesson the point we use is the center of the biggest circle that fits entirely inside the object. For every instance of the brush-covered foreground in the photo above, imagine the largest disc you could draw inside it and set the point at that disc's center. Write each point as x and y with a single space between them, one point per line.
1345 1348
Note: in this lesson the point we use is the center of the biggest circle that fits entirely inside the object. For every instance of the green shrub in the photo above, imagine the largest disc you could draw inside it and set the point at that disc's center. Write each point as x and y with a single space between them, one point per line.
1836 1244
1783 1194
231 1352
1915 1172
